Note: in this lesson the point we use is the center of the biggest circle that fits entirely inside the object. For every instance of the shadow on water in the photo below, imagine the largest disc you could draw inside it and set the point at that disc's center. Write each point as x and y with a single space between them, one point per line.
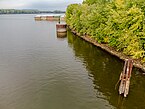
104 70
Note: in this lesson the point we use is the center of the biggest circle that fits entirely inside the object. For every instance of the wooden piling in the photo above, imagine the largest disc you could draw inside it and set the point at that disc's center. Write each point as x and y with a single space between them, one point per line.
125 77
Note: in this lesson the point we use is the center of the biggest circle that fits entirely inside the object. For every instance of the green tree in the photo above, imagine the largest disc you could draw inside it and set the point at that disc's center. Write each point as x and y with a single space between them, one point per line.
119 23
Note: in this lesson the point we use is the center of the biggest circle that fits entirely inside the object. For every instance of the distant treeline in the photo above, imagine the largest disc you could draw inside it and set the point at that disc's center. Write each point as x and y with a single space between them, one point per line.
26 11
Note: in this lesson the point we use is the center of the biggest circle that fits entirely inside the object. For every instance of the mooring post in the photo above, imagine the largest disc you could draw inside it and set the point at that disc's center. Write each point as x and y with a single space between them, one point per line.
122 75
125 77
59 20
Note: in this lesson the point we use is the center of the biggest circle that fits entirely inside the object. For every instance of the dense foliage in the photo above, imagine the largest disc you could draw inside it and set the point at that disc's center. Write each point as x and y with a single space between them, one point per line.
26 11
118 23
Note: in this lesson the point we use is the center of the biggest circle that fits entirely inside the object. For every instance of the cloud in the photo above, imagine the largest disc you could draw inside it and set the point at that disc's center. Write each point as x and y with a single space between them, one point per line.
37 4
53 5
11 4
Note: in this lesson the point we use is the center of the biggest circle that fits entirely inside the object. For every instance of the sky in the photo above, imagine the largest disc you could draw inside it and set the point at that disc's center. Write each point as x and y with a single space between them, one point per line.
37 4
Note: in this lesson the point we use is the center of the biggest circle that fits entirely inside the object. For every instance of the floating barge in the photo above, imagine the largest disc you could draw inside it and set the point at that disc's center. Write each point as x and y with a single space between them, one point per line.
61 30
49 17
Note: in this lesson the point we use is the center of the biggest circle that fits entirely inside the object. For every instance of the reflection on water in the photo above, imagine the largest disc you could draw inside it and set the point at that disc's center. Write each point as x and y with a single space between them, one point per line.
104 70
38 70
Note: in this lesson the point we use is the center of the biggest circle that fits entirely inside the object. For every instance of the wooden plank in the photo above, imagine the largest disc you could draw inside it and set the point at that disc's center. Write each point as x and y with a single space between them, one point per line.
129 76
127 80
121 87
125 77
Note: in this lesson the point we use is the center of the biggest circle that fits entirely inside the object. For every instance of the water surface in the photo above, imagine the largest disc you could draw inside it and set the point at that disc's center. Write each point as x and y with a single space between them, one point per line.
40 71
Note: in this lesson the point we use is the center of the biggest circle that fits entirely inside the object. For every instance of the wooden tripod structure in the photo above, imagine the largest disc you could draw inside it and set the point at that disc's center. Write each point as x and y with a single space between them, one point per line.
125 77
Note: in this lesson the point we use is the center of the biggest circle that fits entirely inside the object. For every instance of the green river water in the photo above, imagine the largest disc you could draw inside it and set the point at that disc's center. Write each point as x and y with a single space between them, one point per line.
40 71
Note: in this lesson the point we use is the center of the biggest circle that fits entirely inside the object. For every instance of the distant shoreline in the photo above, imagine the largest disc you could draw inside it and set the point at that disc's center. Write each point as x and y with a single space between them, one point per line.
32 13
28 11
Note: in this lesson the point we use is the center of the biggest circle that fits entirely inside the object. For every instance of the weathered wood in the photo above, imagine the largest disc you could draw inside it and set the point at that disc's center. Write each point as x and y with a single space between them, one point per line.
122 75
128 79
126 89
125 77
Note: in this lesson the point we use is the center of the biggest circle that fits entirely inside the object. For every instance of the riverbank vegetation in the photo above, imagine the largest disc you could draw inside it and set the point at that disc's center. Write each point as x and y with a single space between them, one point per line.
118 23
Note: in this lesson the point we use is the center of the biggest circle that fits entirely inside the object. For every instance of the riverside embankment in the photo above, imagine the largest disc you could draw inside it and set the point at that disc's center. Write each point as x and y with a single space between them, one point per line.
117 26
136 63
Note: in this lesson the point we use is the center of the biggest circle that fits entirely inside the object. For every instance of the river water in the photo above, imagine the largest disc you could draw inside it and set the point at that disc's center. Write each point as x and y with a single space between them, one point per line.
40 71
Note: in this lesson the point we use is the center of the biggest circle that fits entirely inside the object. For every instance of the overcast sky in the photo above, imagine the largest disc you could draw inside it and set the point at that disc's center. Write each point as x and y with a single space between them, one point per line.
37 4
